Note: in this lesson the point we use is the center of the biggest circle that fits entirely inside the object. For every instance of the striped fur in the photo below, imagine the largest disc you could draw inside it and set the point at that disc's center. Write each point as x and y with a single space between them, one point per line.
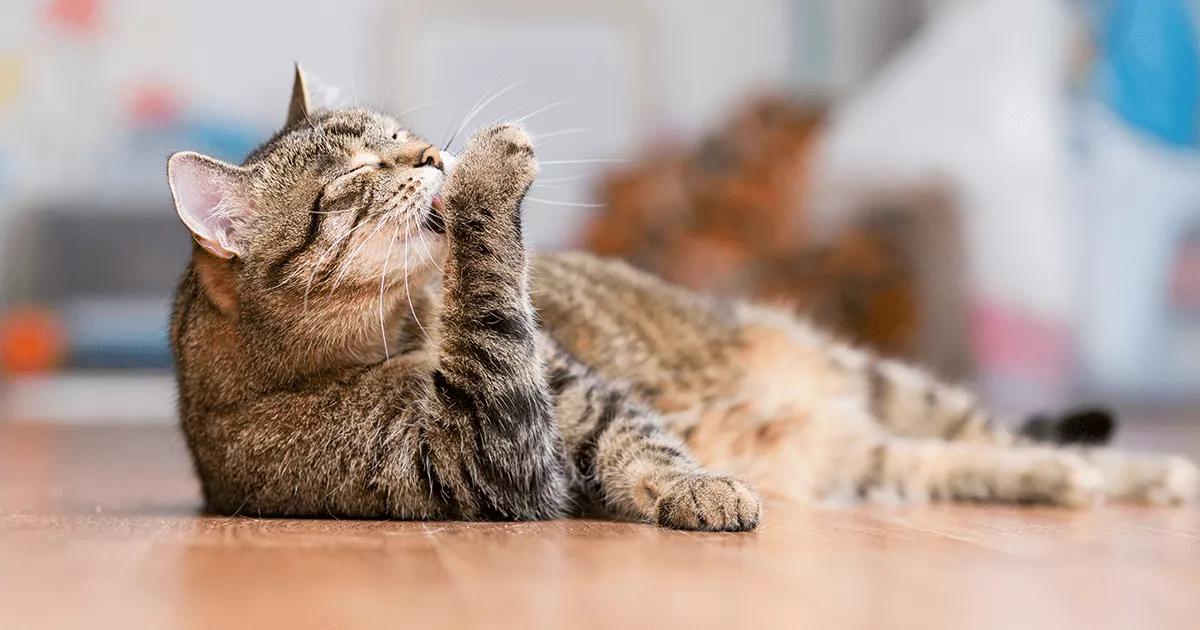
366 355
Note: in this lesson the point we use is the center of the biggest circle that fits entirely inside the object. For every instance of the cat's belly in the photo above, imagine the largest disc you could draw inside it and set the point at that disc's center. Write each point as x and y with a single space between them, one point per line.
682 349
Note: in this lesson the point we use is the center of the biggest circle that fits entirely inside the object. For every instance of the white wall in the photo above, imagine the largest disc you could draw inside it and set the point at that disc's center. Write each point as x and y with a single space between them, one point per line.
840 44
65 130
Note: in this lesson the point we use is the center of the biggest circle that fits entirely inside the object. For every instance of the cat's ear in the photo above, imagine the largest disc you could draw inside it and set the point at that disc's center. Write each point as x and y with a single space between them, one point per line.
300 105
212 198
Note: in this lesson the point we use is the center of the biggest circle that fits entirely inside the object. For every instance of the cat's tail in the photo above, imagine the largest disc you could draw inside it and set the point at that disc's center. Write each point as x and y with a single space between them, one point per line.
908 401
1092 426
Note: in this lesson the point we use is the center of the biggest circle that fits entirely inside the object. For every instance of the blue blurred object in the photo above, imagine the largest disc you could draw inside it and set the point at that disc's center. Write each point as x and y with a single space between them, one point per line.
116 332
223 138
1149 68
1139 330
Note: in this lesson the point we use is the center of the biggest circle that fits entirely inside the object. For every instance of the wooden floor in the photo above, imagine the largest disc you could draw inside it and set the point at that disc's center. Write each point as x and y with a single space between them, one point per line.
99 528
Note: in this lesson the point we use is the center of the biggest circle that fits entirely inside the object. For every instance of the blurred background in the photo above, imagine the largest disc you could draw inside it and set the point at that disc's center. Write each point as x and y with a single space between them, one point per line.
1006 190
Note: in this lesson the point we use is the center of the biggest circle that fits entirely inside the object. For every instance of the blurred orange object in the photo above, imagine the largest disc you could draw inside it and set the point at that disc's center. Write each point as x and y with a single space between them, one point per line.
31 340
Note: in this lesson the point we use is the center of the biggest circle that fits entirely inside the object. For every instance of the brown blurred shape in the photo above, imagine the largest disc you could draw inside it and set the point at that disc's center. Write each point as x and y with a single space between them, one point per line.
730 216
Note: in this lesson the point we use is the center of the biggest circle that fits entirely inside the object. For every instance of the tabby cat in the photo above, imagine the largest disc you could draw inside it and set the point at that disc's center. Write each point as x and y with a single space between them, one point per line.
361 332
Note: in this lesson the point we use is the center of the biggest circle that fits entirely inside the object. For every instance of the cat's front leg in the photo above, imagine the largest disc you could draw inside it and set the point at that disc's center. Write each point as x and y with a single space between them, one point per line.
489 381
632 465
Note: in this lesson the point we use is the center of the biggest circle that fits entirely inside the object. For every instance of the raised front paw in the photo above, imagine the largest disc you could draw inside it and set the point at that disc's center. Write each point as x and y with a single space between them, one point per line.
710 503
496 168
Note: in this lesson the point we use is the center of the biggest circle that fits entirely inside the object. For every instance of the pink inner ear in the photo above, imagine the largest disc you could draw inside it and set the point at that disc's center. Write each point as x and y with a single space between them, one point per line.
202 199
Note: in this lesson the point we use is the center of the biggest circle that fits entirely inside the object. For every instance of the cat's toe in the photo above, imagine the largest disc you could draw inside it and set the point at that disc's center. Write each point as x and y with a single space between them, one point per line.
709 503
1177 481
512 134
1062 479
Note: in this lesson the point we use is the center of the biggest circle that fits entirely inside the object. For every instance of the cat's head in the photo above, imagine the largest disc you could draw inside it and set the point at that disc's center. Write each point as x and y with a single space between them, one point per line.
339 201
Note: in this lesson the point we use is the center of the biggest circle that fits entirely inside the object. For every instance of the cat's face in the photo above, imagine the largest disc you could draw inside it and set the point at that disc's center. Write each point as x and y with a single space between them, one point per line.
338 202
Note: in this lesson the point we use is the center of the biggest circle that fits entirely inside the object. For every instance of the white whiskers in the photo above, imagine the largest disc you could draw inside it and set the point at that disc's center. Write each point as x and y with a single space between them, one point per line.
479 108
382 286
350 259
542 140
572 204
587 161
428 250
561 132
542 109
324 257
418 108
559 180
412 309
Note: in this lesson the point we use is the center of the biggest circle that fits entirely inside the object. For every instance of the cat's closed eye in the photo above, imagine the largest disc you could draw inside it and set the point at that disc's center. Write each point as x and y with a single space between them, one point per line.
355 170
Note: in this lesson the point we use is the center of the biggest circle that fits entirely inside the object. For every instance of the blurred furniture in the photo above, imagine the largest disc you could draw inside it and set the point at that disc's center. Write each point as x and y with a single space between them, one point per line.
91 287
729 217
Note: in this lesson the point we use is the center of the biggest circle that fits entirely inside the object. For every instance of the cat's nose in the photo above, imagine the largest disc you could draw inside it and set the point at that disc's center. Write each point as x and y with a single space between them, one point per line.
431 157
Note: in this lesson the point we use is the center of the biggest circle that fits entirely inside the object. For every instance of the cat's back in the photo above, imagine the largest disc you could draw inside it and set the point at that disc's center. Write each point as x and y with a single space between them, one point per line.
628 324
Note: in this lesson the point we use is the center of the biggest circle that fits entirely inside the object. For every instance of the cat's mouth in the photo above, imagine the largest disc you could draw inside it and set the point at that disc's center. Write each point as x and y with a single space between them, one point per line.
434 221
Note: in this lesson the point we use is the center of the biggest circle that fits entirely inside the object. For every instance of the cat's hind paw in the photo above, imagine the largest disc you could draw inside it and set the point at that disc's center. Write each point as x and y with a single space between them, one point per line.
1060 479
1163 480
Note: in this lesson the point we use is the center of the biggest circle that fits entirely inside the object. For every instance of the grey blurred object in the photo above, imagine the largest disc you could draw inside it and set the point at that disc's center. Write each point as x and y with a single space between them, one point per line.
64 252
107 272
